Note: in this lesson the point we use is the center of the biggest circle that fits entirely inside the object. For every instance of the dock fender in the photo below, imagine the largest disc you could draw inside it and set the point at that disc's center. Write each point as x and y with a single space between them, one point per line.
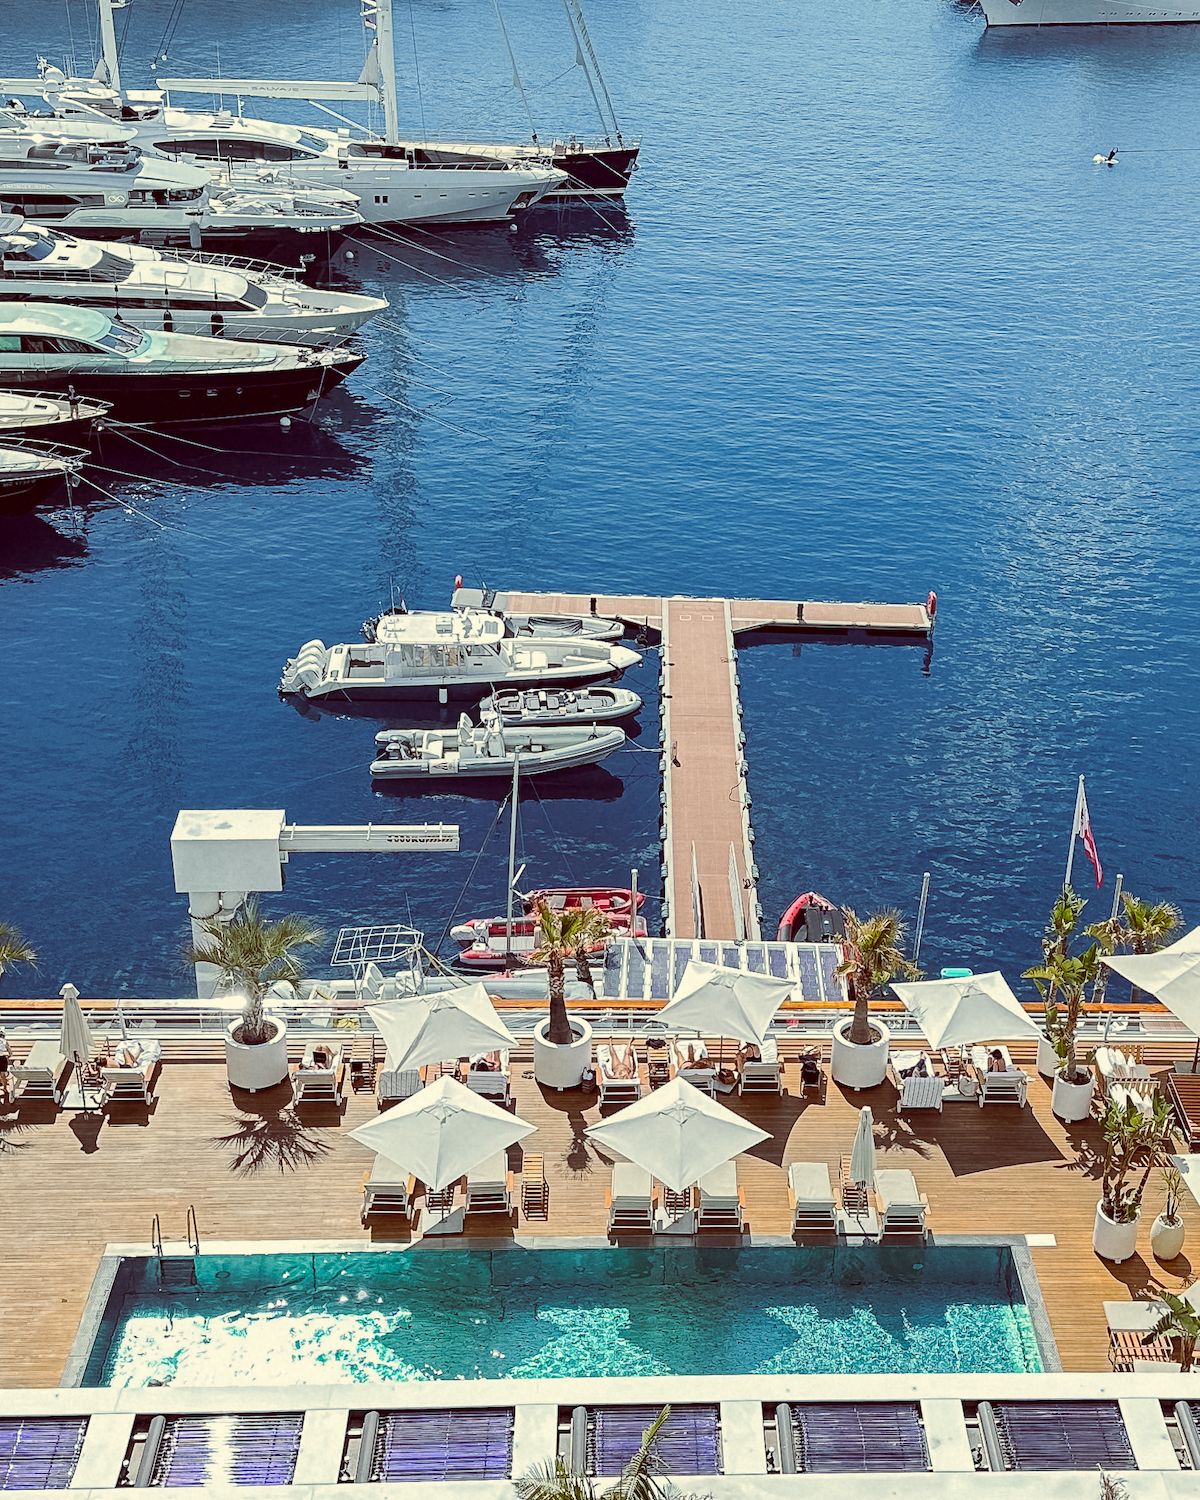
931 604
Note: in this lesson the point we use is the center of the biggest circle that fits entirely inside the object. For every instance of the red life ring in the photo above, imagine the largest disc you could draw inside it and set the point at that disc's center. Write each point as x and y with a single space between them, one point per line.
931 603
458 582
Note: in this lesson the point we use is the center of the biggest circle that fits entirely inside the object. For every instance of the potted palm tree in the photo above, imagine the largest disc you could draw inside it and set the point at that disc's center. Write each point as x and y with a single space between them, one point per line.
1167 1231
251 955
562 1046
1056 942
14 949
1136 1138
1062 982
1181 1321
873 954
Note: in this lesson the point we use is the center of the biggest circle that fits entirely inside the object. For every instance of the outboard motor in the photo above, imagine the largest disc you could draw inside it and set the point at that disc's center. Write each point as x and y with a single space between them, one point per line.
306 669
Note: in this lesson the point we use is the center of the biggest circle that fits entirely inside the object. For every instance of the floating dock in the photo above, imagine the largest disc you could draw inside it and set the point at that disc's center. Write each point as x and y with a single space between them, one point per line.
710 880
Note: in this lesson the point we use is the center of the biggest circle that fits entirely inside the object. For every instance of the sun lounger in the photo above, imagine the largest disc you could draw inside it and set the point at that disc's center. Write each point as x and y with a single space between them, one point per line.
387 1189
489 1186
703 1078
1129 1321
630 1200
845 1437
1116 1067
43 1074
535 1190
902 1208
405 1446
491 1083
394 1085
763 1076
720 1203
1044 1436
614 1089
132 1072
1009 1087
815 1087
1183 1090
811 1197
313 1084
917 1090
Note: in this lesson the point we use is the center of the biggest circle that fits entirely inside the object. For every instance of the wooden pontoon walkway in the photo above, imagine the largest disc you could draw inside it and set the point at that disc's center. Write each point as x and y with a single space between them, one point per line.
70 1186
708 864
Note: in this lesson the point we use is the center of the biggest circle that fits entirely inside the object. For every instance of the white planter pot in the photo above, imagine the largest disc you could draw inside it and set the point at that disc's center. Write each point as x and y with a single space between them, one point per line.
1115 1242
1166 1240
260 1067
859 1067
561 1067
1047 1058
1072 1102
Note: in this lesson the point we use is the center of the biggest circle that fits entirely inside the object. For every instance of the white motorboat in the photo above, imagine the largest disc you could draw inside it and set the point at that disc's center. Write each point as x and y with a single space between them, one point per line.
591 627
29 472
490 748
159 377
177 293
55 418
1088 12
462 655
91 179
588 705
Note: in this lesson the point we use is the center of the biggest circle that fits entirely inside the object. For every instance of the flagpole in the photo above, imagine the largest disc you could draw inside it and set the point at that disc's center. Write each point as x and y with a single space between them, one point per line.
1074 833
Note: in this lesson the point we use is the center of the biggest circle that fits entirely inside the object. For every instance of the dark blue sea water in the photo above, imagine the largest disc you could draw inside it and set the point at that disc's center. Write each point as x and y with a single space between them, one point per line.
873 323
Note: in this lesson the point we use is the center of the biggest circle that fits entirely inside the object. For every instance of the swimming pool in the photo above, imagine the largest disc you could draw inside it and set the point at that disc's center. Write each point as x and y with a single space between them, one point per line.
528 1314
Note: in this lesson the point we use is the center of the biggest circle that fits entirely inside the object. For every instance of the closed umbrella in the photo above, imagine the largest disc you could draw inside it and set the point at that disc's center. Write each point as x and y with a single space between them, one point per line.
441 1132
725 1002
1171 975
434 1027
75 1036
677 1134
957 1012
862 1156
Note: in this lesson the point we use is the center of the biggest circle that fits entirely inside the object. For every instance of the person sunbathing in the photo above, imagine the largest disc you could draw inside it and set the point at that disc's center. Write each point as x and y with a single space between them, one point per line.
750 1052
692 1057
810 1070
623 1064
995 1062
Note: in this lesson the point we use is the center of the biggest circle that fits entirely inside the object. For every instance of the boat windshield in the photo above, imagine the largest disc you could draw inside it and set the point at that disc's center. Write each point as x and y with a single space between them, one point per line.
311 142
123 339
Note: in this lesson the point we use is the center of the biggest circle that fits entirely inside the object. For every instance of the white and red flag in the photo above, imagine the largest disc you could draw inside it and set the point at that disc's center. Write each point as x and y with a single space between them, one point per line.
1082 829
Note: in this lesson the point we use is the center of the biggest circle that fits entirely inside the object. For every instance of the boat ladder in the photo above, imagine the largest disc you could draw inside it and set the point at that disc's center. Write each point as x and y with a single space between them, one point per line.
176 1258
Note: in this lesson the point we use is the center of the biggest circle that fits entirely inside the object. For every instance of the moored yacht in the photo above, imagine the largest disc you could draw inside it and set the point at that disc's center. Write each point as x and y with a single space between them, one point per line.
1088 12
464 655
30 472
159 377
178 293
487 601
53 418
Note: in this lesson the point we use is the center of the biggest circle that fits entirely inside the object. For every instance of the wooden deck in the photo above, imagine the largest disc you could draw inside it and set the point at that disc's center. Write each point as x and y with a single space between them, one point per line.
70 1185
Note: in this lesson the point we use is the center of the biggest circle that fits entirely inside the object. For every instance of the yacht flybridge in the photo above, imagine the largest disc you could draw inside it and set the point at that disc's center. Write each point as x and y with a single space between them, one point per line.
464 655
179 293
87 176
399 179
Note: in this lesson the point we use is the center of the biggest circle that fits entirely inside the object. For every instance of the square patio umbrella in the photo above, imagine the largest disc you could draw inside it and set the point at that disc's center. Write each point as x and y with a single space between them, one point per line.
862 1153
677 1134
75 1035
725 1002
1171 975
954 1012
442 1132
434 1027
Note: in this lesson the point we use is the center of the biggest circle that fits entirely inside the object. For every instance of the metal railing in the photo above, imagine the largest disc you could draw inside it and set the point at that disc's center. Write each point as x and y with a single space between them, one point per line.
192 1229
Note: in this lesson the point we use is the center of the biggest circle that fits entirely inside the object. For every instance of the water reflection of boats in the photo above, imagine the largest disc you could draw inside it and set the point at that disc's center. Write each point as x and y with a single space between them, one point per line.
30 544
234 456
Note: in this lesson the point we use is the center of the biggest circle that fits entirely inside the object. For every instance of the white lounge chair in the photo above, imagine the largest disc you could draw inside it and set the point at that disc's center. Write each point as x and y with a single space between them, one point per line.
613 1089
902 1209
131 1077
763 1076
489 1186
916 1090
43 1074
811 1197
1115 1067
630 1200
313 1084
387 1189
394 1085
1008 1087
721 1204
702 1078
491 1083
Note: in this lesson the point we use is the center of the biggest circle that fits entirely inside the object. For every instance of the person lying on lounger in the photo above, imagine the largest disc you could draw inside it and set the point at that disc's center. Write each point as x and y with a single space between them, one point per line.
691 1057
810 1070
996 1061
622 1064
750 1052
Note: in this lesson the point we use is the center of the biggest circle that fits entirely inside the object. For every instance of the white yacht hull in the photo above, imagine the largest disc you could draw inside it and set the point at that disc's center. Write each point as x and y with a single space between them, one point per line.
1086 13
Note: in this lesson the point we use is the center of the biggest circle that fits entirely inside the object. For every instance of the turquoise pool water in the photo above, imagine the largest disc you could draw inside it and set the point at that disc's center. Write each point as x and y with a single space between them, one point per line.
466 1315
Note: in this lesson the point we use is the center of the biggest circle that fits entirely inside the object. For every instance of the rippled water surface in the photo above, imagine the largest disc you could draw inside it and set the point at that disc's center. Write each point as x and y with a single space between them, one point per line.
873 323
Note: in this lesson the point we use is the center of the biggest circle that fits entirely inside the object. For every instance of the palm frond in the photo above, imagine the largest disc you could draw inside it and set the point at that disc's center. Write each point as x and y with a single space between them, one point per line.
13 948
554 1481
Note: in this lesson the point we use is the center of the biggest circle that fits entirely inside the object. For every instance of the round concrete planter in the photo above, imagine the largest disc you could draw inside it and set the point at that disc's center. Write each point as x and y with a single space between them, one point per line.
258 1067
557 1067
1115 1242
859 1067
1166 1240
1047 1058
1072 1102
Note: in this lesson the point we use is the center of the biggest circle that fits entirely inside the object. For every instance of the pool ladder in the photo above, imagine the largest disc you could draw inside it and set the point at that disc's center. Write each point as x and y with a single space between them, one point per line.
175 1267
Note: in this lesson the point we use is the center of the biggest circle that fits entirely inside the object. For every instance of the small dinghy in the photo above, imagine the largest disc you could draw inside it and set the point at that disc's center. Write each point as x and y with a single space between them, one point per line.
811 919
613 901
591 705
493 944
30 472
489 749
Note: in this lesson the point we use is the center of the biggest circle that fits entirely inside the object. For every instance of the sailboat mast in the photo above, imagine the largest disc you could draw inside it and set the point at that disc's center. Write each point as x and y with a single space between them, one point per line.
385 52
108 44
586 56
